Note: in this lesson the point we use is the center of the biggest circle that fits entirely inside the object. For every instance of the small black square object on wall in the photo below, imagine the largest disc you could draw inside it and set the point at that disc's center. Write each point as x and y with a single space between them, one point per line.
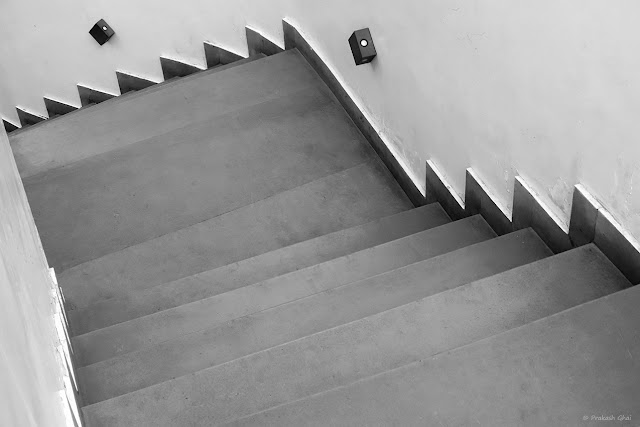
102 32
362 46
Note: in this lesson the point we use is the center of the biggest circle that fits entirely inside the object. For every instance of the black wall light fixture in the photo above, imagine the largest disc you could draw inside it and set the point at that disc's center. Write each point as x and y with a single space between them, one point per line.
102 32
362 46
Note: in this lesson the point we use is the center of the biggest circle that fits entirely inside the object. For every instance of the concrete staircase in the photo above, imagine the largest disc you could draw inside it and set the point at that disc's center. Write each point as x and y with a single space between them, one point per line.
232 251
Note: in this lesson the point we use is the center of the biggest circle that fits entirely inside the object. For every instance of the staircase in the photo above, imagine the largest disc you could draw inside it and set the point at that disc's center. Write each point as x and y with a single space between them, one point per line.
233 252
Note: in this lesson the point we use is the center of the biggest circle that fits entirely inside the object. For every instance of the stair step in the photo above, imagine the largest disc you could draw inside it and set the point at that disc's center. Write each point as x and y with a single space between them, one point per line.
255 269
160 110
580 362
346 199
295 320
145 190
347 304
207 313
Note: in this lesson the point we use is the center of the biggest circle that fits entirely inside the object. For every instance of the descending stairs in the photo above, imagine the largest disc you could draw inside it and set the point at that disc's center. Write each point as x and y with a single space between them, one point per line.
232 251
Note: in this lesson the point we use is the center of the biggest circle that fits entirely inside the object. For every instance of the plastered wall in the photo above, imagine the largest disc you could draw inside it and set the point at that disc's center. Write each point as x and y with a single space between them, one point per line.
30 375
546 89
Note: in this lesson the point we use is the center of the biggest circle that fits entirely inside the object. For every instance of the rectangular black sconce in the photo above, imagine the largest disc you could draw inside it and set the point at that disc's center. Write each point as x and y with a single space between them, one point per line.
362 46
102 32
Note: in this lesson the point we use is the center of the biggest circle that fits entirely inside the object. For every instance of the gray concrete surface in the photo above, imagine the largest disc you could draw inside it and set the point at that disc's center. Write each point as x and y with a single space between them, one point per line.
583 362
389 340
303 317
156 328
352 197
252 270
142 191
124 121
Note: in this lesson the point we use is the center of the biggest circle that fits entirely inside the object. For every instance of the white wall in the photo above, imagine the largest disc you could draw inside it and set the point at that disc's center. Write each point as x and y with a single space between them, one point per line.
30 375
547 89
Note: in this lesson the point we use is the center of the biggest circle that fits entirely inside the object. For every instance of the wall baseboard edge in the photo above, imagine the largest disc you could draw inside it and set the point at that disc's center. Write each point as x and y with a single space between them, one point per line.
128 82
172 68
216 55
439 190
28 118
479 199
589 221
592 223
530 211
258 43
57 108
89 96
293 39
8 126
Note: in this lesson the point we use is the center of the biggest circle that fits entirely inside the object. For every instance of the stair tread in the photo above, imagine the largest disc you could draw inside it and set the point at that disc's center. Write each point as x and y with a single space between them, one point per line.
145 190
579 362
303 363
134 118
303 317
255 269
210 312
345 199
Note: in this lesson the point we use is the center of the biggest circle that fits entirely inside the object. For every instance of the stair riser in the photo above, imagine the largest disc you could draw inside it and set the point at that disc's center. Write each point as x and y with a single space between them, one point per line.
254 270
